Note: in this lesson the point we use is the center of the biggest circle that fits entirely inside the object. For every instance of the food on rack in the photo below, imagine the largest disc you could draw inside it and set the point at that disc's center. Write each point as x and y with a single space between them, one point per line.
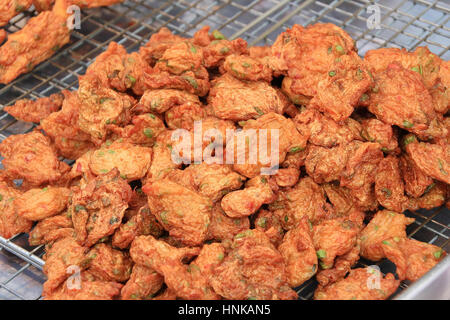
10 8
33 158
41 38
43 5
360 284
36 110
359 142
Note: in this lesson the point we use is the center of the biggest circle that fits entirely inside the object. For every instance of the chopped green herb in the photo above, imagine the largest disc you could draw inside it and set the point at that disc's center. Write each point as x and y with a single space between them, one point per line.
258 110
409 139
330 49
407 124
220 256
246 65
387 192
441 167
132 79
152 116
1 197
79 207
163 216
332 73
191 81
148 132
321 254
218 35
263 179
113 220
242 123
100 154
45 189
295 149
386 242
339 49
437 254
193 50
286 218
111 151
364 97
428 189
224 50
262 222
19 8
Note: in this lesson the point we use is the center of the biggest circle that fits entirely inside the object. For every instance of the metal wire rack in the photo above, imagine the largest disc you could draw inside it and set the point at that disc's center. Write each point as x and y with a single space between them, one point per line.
403 23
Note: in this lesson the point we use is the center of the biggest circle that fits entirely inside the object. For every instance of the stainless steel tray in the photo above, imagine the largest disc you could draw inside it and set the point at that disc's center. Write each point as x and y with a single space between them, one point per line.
403 23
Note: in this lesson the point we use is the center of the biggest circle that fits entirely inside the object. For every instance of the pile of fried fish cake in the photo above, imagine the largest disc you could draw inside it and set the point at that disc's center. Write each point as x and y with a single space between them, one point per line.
361 140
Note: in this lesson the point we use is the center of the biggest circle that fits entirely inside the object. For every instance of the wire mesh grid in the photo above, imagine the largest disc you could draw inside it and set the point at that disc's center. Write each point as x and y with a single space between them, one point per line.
403 23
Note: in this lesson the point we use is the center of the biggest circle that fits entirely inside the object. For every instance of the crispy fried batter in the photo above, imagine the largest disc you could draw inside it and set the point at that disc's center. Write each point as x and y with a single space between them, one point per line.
10 8
253 269
51 229
432 159
143 284
356 286
10 222
297 250
32 158
38 204
108 264
37 110
184 213
41 37
384 225
223 227
98 207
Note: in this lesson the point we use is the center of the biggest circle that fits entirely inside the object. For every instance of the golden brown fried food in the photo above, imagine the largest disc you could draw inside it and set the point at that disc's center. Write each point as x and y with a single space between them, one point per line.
98 207
38 204
421 60
297 250
287 177
340 198
62 127
89 290
232 99
389 187
269 223
253 269
400 98
59 259
184 116
373 130
247 68
10 222
10 8
143 223
108 264
384 225
415 180
37 110
342 266
187 282
361 166
184 213
432 159
143 129
43 5
159 42
143 284
162 162
341 91
323 131
357 286
333 238
210 180
161 100
242 203
38 40
32 158
289 141
51 229
305 54
121 71
132 161
100 106
327 164
306 199
223 227
412 258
